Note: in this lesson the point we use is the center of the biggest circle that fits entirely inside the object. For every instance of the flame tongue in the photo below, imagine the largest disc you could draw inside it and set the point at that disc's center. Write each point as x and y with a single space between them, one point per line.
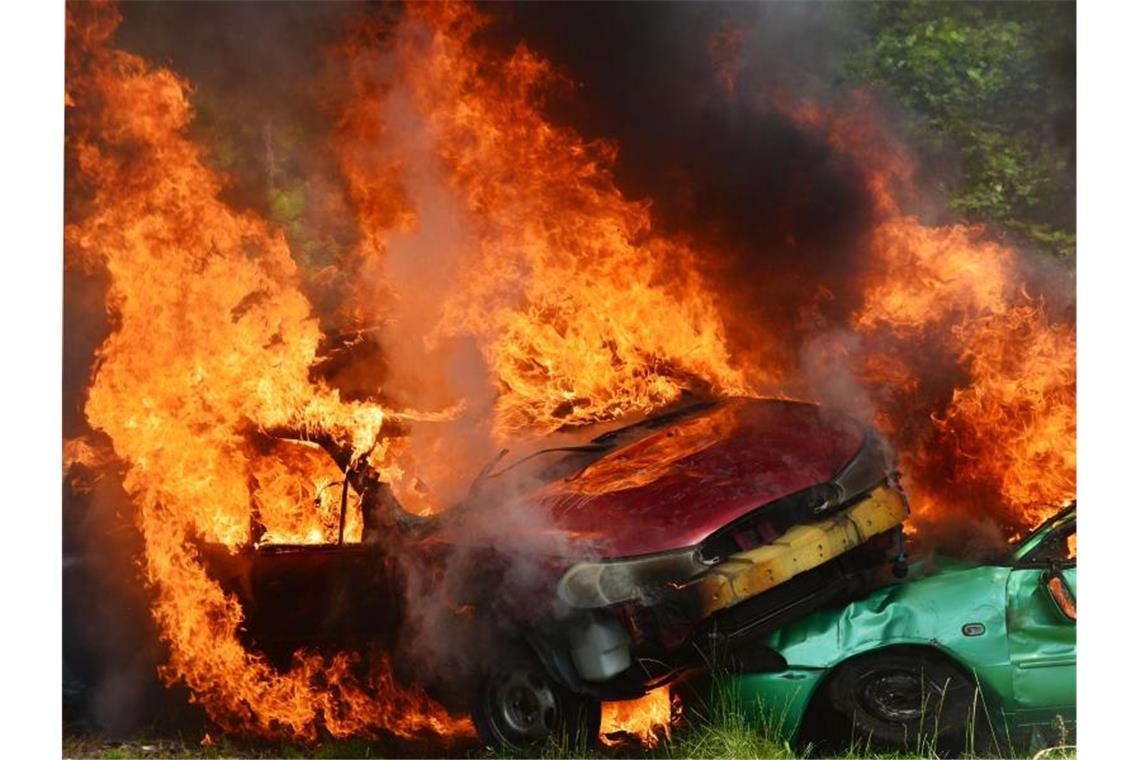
213 341
580 310
997 442
649 719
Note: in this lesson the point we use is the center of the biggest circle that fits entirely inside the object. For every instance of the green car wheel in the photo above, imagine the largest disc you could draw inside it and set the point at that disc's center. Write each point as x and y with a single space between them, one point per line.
904 700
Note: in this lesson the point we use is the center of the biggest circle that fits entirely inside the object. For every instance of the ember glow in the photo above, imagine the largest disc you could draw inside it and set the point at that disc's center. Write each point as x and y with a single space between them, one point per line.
580 310
649 719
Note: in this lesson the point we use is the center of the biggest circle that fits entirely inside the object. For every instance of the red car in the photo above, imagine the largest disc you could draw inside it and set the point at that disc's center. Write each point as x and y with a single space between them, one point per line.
596 571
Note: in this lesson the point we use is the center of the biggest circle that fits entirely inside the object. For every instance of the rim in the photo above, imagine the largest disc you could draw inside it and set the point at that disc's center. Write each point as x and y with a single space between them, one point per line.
523 707
898 696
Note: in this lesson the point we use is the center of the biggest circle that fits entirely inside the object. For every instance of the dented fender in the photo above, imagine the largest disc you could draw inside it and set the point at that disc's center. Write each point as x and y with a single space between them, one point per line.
960 613
1000 624
934 611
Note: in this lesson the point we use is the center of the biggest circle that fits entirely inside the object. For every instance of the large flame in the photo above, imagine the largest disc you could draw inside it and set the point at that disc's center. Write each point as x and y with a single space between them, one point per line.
580 310
1002 444
213 343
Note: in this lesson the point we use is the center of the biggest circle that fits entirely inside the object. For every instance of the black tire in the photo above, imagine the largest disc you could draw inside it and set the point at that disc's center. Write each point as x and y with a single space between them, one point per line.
905 699
519 707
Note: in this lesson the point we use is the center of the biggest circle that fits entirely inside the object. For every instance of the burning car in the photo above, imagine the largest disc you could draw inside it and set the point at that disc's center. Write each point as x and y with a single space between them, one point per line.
599 570
966 653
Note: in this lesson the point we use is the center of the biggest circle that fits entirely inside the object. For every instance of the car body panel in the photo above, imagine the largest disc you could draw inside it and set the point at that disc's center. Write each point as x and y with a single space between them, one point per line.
1042 652
997 623
677 485
749 511
803 547
922 613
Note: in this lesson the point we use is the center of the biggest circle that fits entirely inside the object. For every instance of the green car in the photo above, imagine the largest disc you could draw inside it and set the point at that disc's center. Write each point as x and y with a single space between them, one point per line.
959 657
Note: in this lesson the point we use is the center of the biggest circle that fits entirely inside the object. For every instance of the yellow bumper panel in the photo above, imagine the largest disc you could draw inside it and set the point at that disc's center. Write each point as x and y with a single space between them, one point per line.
802 548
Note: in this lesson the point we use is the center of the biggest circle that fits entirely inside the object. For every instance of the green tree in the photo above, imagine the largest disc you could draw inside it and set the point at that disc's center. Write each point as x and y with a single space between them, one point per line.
992 85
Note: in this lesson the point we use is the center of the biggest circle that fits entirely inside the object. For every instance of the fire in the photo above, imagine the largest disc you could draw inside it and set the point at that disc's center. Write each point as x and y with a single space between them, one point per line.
579 310
1004 442
582 311
1015 423
938 301
213 345
649 718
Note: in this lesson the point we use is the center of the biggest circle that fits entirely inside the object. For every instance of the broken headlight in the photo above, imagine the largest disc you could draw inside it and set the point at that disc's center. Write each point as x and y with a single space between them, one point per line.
600 584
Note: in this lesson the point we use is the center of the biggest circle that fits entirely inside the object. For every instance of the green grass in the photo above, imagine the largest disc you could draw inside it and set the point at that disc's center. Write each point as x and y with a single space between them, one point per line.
721 728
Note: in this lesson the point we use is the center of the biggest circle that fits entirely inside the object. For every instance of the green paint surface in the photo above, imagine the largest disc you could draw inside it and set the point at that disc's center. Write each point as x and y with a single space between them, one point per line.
1024 660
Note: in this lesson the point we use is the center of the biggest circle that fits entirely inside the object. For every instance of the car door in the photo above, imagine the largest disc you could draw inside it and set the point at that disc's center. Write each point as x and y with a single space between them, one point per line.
334 590
1041 620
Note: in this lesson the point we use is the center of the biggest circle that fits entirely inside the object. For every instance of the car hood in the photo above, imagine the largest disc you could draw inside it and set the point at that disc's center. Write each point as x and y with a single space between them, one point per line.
679 484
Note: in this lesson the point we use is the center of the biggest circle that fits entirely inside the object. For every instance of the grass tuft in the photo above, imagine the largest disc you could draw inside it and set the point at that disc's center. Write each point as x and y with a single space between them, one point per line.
723 726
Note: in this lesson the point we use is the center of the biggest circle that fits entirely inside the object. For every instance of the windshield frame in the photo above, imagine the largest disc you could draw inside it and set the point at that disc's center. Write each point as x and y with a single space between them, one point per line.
1022 554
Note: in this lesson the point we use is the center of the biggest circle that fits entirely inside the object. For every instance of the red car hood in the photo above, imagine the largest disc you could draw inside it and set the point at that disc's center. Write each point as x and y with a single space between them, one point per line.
683 481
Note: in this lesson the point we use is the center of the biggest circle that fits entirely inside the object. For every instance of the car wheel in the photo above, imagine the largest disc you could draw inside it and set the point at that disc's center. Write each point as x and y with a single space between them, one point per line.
904 699
519 706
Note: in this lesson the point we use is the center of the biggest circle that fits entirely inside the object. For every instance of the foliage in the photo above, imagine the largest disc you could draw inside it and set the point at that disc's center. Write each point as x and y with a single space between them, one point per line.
993 84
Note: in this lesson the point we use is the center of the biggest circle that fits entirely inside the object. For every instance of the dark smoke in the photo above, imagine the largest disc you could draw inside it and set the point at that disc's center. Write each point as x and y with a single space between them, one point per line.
781 212
782 215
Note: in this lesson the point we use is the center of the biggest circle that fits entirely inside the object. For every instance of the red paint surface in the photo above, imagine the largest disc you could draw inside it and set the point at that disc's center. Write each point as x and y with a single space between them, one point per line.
679 484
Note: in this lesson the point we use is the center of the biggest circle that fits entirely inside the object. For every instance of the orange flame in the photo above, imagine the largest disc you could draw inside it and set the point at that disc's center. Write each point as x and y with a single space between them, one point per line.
1014 425
649 719
581 311
213 343
1003 444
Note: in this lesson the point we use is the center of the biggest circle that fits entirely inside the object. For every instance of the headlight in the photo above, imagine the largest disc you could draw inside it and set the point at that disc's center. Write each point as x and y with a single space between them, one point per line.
600 584
869 467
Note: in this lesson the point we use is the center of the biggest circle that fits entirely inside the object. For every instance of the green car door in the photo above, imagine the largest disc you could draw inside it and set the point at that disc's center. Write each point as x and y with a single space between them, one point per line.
1041 621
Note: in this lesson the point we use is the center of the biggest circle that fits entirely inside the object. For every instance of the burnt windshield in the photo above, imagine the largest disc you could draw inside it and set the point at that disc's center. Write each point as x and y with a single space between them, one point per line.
1055 526
630 433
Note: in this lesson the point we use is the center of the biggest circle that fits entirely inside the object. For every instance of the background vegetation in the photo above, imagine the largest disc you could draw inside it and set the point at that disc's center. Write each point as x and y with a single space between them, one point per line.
994 85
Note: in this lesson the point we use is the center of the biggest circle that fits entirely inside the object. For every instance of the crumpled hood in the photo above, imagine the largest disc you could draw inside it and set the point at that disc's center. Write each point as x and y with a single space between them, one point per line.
683 481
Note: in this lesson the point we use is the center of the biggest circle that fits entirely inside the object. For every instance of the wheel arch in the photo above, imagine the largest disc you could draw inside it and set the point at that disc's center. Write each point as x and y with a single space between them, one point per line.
817 701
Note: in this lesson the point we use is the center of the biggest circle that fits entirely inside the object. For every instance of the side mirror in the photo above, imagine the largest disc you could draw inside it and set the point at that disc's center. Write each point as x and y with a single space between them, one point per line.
1060 594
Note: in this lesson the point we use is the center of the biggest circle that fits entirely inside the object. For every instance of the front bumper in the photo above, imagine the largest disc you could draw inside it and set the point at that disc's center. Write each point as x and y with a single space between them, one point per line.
719 609
802 548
